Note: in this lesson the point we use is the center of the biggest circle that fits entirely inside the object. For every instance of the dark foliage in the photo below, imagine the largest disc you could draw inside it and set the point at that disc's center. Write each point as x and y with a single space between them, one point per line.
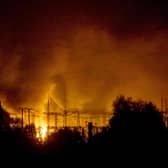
136 130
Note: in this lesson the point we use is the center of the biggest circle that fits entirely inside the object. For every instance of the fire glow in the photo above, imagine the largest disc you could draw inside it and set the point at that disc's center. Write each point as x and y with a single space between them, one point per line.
87 57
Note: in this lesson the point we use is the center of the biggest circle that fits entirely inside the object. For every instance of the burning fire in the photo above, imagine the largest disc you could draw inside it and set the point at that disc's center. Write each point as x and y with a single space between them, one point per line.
43 132
41 127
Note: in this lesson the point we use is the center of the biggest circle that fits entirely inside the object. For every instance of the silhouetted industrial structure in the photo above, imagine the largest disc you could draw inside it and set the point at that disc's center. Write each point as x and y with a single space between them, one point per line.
86 122
63 118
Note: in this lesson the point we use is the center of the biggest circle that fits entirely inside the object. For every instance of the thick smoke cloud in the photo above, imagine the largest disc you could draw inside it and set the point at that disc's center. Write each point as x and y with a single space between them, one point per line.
83 54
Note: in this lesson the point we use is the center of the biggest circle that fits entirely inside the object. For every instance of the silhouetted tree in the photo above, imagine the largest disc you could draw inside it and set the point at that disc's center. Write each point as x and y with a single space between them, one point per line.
138 116
136 130
4 118
65 136
64 140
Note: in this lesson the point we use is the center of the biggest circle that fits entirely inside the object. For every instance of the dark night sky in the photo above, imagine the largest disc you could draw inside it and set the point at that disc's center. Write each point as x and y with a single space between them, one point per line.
85 52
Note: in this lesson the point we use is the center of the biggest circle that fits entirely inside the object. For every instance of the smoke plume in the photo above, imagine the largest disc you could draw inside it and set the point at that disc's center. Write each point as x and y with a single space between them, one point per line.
82 54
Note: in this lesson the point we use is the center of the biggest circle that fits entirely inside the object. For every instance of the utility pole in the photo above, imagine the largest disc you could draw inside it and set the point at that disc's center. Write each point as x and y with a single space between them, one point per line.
22 116
48 115
56 120
64 118
29 111
78 119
